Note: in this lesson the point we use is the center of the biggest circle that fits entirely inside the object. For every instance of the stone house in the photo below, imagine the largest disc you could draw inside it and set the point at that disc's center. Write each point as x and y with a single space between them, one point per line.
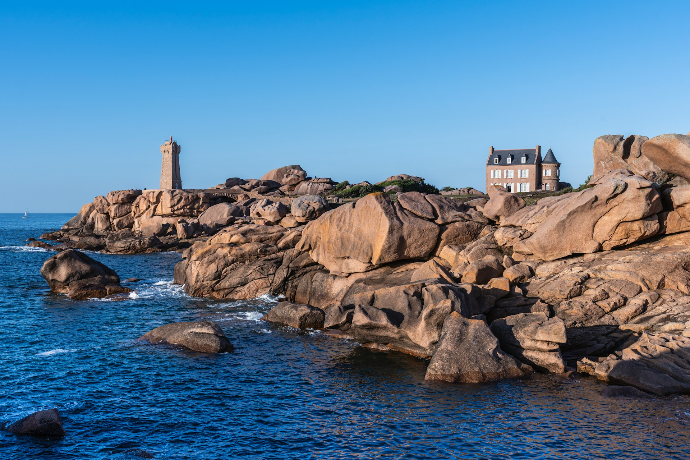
522 170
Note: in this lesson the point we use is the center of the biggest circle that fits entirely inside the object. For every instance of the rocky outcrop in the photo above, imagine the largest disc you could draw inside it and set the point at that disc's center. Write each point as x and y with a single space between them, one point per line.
80 277
614 152
621 209
670 152
657 363
44 423
243 262
201 336
469 353
295 315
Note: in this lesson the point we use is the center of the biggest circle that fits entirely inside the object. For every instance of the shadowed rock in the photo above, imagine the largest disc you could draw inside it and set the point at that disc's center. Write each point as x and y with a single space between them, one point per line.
42 423
469 353
201 336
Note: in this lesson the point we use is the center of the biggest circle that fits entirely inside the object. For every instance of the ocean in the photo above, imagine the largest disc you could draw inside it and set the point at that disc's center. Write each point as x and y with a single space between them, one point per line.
282 394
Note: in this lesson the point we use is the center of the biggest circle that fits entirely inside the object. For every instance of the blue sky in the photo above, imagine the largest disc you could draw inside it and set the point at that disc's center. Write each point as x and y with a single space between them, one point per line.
350 90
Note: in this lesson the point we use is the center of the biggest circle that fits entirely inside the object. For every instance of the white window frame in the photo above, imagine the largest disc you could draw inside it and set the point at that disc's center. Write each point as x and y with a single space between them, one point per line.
546 186
509 160
510 174
495 161
524 159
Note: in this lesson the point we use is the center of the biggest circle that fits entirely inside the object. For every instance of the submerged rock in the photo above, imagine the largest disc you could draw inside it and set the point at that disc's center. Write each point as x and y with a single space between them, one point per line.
80 277
201 336
42 423
469 353
296 315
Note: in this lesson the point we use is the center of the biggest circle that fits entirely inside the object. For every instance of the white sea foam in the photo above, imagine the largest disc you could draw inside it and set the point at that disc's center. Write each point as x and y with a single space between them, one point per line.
22 249
249 315
163 288
56 351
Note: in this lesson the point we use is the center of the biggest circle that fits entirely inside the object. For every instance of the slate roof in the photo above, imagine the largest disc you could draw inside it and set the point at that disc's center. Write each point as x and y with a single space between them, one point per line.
550 158
516 155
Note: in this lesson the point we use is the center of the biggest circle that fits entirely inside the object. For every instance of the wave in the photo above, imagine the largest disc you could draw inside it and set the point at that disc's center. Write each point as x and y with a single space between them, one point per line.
22 249
55 351
162 288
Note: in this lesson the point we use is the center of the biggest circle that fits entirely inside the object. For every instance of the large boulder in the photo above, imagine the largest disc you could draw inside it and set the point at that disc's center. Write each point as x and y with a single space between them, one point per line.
469 353
621 209
357 237
308 207
201 336
502 203
670 152
220 215
296 315
79 276
287 175
42 423
613 152
267 210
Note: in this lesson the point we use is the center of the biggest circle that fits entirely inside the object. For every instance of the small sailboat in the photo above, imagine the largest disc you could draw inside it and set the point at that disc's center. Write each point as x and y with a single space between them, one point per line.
26 214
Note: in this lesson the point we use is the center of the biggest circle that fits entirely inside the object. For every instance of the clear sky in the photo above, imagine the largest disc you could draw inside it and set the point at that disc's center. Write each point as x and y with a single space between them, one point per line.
352 90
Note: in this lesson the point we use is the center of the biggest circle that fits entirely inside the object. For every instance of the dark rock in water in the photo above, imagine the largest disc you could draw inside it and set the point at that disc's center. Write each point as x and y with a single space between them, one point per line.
296 315
42 423
469 353
201 336
31 239
79 276
38 244
614 391
132 280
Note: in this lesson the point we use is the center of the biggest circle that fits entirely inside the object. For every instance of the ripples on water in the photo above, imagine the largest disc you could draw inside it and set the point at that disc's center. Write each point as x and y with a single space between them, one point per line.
282 394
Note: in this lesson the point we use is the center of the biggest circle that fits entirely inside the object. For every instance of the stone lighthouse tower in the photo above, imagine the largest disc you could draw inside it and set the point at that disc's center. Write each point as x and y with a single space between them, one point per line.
170 170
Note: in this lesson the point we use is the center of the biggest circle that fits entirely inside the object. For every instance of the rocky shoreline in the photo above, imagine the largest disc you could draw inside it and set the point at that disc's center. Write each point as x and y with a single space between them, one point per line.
596 280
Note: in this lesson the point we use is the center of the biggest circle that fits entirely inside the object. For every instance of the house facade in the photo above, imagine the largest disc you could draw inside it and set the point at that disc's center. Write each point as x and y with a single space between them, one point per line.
522 170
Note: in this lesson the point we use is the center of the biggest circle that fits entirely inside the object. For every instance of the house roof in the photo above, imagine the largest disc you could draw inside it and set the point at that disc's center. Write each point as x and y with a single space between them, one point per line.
515 156
550 158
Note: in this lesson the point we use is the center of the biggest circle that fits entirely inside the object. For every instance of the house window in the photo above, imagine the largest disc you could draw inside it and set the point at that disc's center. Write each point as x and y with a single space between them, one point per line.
498 173
495 161
524 187
509 159
546 186
523 173
558 173
547 172
524 159
510 174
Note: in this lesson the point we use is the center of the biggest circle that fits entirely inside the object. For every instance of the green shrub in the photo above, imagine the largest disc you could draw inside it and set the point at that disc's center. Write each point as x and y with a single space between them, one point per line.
358 191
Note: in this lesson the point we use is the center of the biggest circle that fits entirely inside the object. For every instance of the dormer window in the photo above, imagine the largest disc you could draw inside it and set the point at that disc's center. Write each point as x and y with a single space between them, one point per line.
509 159
524 159
495 161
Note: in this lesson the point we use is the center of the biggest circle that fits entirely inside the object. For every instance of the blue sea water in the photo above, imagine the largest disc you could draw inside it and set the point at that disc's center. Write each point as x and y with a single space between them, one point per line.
282 394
